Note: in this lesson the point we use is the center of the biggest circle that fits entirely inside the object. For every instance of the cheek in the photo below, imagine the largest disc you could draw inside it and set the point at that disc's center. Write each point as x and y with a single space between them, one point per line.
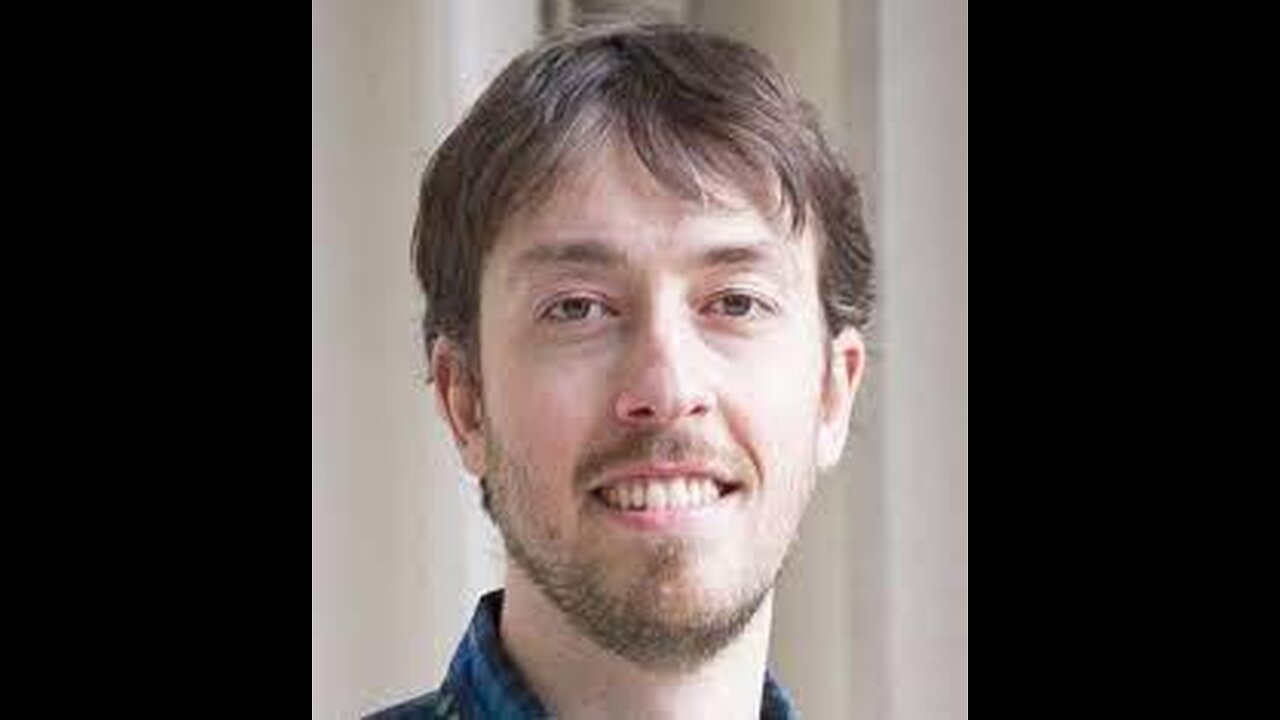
543 418
774 412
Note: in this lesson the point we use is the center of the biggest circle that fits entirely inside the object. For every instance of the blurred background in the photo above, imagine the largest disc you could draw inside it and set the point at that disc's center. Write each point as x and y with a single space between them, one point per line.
871 616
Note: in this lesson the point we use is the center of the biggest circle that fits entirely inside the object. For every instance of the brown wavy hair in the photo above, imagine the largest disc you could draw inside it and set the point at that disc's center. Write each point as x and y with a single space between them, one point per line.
699 110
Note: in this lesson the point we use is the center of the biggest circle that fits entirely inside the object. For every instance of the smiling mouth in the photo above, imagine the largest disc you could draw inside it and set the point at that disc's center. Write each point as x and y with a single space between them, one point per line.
663 494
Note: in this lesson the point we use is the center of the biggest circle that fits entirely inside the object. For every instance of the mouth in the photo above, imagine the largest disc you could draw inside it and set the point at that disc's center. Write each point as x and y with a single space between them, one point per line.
674 494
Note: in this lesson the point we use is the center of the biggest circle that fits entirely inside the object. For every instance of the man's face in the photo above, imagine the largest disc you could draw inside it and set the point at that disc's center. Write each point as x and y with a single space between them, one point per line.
656 397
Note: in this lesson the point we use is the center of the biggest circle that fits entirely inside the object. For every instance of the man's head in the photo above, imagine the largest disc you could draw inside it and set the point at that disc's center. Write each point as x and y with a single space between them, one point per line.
646 276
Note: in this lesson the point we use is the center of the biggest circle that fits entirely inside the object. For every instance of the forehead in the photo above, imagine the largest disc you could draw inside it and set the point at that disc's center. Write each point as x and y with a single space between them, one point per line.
609 209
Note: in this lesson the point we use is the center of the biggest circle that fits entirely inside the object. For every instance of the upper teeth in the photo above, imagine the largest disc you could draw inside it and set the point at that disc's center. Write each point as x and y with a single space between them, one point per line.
662 494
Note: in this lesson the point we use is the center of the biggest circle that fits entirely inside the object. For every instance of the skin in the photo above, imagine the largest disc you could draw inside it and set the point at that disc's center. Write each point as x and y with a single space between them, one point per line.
625 335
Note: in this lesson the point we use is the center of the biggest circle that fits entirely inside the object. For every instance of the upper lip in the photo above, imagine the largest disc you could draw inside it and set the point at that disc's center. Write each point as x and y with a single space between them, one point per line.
658 471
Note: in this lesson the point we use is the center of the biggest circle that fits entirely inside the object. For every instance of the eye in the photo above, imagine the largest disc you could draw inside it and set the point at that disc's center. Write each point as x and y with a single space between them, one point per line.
739 305
575 309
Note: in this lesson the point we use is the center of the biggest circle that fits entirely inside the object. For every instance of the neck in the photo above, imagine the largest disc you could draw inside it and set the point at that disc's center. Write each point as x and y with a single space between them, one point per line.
575 678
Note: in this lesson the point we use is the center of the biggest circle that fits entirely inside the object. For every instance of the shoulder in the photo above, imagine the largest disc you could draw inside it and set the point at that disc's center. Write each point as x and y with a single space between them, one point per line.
435 705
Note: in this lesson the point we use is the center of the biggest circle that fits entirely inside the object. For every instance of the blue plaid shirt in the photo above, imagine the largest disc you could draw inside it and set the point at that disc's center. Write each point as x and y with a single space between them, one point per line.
483 683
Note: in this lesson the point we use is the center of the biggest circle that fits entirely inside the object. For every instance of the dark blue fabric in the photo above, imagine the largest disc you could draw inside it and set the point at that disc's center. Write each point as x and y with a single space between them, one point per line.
483 684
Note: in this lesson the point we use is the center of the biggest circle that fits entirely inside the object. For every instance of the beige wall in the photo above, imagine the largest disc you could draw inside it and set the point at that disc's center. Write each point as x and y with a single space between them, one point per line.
924 159
400 549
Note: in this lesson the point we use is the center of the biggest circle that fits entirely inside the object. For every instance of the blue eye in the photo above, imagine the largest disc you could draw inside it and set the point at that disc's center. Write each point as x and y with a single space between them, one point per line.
739 305
575 309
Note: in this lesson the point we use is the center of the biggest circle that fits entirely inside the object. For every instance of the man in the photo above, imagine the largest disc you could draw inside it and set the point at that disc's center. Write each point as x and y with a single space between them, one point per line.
646 279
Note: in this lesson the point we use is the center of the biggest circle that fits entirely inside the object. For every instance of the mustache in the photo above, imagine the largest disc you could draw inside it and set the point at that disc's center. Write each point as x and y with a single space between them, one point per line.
662 446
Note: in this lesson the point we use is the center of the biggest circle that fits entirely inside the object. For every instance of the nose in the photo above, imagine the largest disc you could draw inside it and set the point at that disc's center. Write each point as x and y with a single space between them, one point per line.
664 381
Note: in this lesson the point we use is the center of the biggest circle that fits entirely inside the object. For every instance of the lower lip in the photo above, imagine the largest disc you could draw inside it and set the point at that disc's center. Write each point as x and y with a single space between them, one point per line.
670 519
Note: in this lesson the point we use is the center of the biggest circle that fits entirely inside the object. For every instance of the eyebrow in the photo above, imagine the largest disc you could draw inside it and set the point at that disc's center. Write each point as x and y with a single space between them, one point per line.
596 253
759 253
581 252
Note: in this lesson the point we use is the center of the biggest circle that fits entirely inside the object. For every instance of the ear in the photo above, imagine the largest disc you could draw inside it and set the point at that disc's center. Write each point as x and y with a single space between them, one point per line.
848 357
460 401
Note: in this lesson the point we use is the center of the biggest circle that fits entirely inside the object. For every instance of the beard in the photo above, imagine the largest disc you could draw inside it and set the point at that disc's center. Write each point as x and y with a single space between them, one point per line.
647 605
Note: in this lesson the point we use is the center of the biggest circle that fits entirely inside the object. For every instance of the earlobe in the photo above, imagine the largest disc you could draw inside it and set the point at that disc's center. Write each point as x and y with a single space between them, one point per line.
458 399
846 363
